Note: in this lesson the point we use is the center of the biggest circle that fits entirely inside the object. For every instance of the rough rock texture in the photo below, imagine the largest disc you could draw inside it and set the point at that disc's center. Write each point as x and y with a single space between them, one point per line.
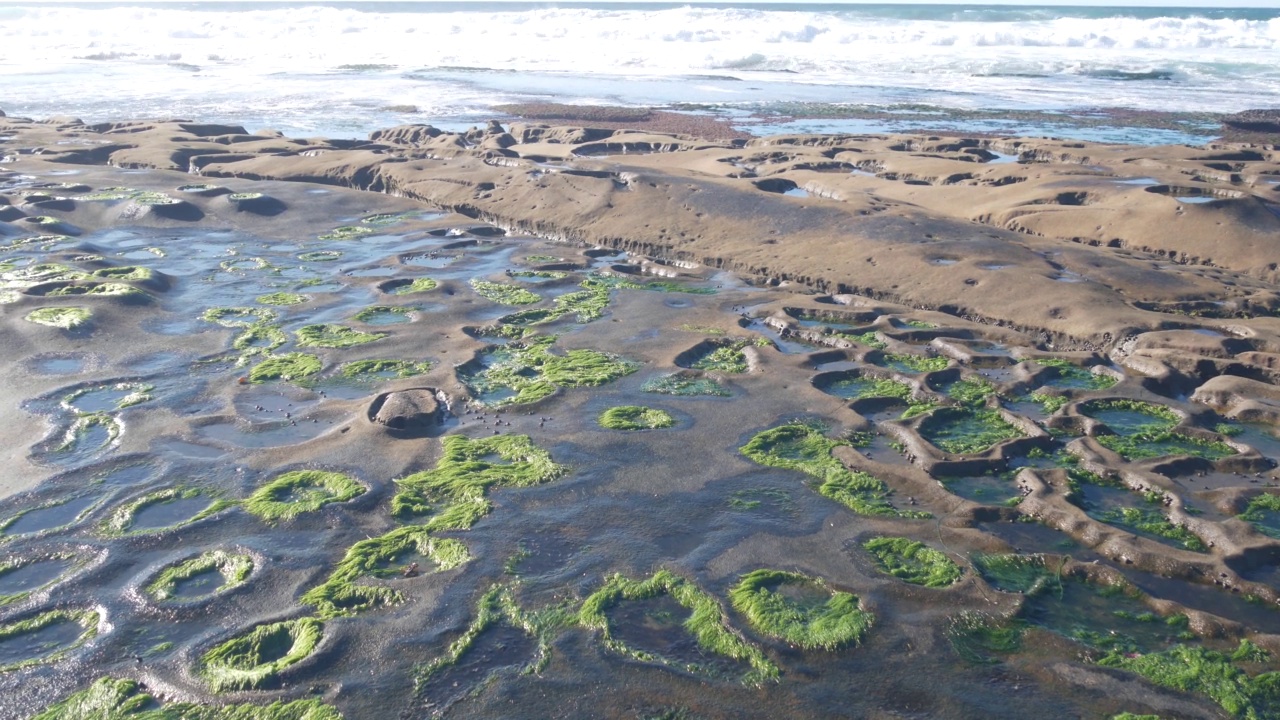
416 410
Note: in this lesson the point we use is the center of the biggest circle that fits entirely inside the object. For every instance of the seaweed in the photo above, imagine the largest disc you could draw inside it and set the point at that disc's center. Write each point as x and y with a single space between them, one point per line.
233 317
1069 375
334 336
67 318
726 357
503 294
529 372
119 522
346 232
1153 522
235 569
706 623
87 619
498 605
422 284
635 417
374 312
301 491
684 385
362 369
966 431
282 298
971 391
587 304
290 366
1209 673
836 621
913 561
911 363
803 447
256 658
1256 513
464 473
340 595
1010 572
981 639
320 256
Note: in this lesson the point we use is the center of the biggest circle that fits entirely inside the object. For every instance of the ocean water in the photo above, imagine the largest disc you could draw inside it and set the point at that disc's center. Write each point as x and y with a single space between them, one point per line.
343 69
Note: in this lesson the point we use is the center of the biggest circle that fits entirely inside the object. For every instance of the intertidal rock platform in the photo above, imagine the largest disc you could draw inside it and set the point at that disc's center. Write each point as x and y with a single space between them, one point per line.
538 421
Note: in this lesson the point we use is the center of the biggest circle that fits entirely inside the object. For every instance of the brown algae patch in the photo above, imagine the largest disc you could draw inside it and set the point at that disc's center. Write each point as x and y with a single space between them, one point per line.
45 638
256 658
913 561
635 417
706 623
301 491
803 447
195 578
800 610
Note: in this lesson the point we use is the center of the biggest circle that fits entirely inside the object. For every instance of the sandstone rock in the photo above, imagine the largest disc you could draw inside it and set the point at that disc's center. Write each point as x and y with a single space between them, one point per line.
413 411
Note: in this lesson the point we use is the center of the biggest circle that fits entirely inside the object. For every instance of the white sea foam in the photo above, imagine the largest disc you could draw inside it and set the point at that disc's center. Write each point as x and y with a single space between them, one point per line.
1031 58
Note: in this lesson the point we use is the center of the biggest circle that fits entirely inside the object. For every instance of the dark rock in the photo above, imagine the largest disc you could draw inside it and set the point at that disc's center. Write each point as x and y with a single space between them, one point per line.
1261 121
412 412
201 130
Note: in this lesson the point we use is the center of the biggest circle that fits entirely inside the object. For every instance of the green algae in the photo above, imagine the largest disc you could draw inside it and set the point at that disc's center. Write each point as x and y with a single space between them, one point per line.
334 336
982 639
258 339
683 385
67 318
124 273
86 619
290 366
909 363
257 657
465 472
826 620
503 294
1153 522
913 561
120 522
726 357
83 424
803 447
17 563
861 387
138 393
341 595
244 264
41 273
347 232
233 317
707 622
1014 573
498 606
971 391
635 417
1050 403
539 274
282 298
701 329
370 369
422 284
1068 375
301 491
1209 673
374 313
385 219
521 373
320 256
1147 445
755 498
1258 513
965 431
234 568
587 305
245 196
98 289
870 339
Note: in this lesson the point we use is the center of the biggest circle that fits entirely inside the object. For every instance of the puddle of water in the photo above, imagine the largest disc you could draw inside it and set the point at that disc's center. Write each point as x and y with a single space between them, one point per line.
168 513
497 649
34 575
1209 599
197 586
49 518
265 435
41 643
984 489
1138 181
186 449
655 625
797 192
59 364
1101 618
